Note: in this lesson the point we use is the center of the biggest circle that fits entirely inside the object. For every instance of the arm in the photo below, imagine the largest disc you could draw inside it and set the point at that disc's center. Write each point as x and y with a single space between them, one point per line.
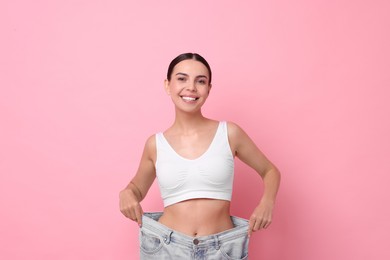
131 196
247 151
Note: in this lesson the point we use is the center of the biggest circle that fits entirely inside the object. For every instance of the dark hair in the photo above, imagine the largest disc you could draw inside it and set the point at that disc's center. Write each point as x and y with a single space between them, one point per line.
187 56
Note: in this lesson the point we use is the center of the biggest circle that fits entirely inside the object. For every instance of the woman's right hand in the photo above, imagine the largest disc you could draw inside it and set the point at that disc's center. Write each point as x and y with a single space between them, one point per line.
130 206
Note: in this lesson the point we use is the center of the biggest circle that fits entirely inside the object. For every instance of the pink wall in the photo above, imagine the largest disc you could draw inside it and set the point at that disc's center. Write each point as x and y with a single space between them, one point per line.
81 89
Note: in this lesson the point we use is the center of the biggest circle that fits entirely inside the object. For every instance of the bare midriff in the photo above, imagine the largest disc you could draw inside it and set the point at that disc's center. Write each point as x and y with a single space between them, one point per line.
198 217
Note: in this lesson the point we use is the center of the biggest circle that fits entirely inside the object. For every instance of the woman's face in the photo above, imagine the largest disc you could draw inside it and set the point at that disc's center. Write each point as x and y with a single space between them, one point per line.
189 86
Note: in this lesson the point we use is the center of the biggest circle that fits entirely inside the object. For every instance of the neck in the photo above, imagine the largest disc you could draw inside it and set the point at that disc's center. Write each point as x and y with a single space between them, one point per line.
187 122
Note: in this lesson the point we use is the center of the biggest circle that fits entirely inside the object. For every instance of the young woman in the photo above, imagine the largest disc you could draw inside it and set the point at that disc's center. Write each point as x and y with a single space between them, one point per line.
193 161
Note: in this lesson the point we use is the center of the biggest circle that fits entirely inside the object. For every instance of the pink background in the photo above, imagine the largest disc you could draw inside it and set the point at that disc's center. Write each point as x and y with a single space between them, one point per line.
82 88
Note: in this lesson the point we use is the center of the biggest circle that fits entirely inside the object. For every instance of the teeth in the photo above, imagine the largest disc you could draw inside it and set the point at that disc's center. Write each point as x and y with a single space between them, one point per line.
189 98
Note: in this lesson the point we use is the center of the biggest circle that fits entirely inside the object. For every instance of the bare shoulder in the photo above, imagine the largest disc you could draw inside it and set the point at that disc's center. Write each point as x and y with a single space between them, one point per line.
234 130
236 136
151 141
150 148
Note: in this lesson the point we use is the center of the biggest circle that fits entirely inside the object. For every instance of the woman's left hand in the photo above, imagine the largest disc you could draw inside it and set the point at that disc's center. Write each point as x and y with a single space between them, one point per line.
261 216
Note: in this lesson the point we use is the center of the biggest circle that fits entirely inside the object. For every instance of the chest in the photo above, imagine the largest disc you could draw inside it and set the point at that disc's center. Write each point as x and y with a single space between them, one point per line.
191 147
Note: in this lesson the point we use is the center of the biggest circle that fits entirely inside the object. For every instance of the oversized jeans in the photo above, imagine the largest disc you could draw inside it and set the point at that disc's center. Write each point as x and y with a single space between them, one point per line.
160 242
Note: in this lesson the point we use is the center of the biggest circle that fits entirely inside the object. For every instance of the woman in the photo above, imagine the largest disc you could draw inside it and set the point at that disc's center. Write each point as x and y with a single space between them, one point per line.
194 162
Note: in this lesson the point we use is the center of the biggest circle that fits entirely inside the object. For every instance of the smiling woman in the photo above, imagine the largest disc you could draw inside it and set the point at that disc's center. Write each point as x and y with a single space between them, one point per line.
183 78
193 161
188 81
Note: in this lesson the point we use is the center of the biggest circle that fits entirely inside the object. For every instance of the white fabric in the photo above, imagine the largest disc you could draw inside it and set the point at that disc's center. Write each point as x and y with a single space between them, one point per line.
208 176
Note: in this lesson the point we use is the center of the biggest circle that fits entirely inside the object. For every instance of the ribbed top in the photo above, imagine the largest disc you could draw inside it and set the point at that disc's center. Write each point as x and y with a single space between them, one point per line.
208 176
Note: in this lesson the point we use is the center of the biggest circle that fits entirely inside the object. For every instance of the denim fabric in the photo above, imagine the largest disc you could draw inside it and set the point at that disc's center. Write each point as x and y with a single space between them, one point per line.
160 242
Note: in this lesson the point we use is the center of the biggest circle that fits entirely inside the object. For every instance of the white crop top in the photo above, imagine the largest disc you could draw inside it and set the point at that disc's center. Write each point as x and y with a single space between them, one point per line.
208 176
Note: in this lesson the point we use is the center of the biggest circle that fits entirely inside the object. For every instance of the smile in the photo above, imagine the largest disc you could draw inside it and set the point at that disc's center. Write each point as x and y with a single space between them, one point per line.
189 98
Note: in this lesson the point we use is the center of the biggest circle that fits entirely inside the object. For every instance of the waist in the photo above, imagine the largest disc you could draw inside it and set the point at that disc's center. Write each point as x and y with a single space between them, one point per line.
150 222
198 217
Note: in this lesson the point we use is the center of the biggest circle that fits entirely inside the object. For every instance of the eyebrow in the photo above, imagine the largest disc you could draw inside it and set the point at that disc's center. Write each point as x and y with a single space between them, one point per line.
184 74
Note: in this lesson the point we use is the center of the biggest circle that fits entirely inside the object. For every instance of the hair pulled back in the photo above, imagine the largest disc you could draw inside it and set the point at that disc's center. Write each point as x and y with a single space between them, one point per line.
188 56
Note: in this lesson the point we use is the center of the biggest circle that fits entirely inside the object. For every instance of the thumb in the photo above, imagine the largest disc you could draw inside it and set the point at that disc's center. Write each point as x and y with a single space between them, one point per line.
251 226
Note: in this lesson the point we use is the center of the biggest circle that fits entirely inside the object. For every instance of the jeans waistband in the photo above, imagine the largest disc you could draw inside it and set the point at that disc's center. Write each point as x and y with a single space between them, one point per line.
150 221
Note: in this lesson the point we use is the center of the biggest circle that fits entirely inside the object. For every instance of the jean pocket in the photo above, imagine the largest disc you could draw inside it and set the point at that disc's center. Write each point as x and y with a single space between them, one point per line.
150 243
235 249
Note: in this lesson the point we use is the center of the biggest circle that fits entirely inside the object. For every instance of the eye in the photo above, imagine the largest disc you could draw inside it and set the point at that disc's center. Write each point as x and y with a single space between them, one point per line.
202 81
181 78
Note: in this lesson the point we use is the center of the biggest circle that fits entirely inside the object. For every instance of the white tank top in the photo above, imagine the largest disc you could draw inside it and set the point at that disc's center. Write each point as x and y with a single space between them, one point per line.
208 176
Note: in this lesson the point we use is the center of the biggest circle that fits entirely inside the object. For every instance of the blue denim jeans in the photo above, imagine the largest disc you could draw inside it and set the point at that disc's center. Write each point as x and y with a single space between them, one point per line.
160 242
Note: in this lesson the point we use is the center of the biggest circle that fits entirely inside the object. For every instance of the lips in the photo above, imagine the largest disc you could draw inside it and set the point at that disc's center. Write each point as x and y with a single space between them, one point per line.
187 98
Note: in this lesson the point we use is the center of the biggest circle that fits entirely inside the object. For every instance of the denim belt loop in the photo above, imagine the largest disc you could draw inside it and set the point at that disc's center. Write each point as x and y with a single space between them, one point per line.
167 239
216 242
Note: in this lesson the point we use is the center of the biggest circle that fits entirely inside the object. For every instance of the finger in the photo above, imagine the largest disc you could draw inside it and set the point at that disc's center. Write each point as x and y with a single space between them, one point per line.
268 223
139 212
251 226
260 224
257 225
132 215
250 232
122 209
126 212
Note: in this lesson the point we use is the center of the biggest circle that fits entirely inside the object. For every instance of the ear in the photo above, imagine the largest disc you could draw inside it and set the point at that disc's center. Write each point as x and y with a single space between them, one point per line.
210 85
166 86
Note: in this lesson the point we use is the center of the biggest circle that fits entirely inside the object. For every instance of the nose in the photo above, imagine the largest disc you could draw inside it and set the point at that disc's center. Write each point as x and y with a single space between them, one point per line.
191 86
